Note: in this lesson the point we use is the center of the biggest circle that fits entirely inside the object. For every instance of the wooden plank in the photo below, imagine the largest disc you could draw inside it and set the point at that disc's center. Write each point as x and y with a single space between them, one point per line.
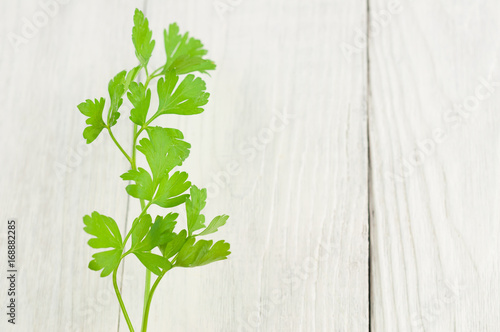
434 156
298 196
50 179
281 147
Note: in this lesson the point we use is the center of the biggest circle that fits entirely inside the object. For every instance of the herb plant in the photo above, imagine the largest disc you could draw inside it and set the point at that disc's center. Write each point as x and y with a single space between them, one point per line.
155 241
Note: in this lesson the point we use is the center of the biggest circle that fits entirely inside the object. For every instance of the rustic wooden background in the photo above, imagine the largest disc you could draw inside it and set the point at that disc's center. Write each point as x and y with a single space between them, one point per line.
353 143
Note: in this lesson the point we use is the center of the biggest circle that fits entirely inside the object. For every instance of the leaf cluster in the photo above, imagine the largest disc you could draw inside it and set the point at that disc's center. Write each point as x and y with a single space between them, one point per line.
155 241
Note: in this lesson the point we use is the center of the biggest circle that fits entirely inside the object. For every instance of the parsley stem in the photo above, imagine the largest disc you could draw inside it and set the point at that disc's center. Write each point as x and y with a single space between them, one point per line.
137 131
122 305
153 75
134 139
147 286
145 316
147 283
118 144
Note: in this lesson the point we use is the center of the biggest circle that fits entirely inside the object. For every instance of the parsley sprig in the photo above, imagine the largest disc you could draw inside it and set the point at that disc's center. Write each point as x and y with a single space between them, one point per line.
156 244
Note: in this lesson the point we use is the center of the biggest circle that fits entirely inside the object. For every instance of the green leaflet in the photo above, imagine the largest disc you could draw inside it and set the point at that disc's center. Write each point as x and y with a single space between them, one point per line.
140 98
183 99
93 110
201 253
161 233
154 263
143 187
116 89
170 190
164 150
141 37
217 222
184 54
107 235
171 248
106 232
131 75
148 236
194 205
142 228
106 260
196 220
165 194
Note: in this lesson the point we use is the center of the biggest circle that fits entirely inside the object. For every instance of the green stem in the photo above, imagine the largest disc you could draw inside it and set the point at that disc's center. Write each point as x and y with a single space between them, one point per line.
151 120
122 305
147 286
153 75
147 283
118 144
148 80
148 294
148 303
134 139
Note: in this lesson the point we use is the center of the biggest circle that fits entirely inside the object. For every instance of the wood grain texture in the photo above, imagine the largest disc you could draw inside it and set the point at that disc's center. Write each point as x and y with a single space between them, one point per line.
282 148
434 154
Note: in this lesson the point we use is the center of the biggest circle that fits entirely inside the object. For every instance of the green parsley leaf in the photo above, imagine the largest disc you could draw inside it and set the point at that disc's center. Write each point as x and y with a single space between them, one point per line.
217 222
174 245
154 263
160 234
92 109
142 228
106 260
141 99
184 54
143 187
185 99
106 231
141 37
164 150
107 235
131 76
116 89
194 205
170 188
201 253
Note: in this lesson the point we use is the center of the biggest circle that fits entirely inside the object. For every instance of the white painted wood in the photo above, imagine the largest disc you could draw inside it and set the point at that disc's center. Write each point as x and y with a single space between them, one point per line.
298 197
434 226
